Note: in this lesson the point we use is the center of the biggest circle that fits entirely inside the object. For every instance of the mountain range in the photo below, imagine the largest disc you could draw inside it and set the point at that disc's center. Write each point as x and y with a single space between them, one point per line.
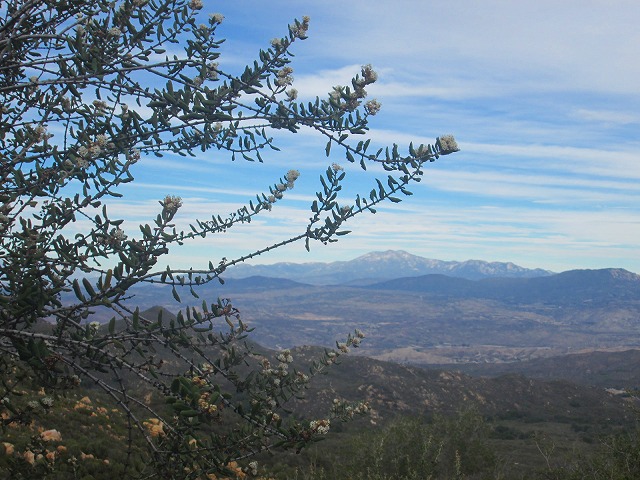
432 318
379 266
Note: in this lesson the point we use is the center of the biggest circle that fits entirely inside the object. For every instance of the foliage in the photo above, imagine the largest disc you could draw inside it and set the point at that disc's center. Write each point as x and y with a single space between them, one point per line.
87 89
618 458
411 448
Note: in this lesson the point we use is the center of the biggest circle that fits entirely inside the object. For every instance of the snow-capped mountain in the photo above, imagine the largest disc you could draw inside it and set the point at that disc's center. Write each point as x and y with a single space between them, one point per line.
378 266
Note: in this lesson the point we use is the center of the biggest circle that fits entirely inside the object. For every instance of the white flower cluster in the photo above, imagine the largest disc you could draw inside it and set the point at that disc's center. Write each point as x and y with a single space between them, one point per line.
353 99
216 18
100 106
292 94
448 144
299 30
280 371
345 409
285 356
372 107
94 326
118 235
212 71
332 357
91 150
41 133
336 93
369 74
321 427
352 341
284 77
253 468
291 176
171 203
134 155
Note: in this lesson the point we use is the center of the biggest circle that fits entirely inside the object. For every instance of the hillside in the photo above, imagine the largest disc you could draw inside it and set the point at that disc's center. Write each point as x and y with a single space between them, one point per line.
437 319
391 388
606 369
516 413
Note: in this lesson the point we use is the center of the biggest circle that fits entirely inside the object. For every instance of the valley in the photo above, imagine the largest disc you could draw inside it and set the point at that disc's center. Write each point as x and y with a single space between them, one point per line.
534 372
435 318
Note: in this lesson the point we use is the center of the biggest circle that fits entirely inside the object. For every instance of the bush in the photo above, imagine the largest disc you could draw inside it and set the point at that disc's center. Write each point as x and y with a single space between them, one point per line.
73 74
412 449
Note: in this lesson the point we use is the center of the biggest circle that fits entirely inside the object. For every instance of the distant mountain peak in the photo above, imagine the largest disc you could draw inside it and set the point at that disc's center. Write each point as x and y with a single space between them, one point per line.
383 265
386 254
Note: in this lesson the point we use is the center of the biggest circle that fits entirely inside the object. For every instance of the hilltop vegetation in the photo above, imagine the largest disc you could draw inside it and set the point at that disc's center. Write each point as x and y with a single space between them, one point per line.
421 421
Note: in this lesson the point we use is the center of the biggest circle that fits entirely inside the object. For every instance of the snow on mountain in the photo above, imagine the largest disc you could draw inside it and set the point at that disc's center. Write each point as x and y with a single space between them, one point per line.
382 265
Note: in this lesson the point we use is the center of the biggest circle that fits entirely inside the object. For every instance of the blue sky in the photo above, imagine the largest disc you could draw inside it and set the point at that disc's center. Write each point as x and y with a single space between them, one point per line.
543 98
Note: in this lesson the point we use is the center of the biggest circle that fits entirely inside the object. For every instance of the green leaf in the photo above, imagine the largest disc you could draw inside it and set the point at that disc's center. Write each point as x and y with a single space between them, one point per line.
189 413
78 292
112 325
88 287
135 319
328 148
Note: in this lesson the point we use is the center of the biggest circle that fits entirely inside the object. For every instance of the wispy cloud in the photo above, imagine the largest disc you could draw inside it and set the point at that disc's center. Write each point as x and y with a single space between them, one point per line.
544 107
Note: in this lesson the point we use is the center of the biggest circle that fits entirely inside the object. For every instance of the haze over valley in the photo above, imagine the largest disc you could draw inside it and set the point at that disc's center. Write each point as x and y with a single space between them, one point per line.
421 311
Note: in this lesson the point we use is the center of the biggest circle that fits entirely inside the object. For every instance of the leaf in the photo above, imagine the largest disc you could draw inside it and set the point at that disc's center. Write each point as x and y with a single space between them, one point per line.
202 329
78 292
88 287
350 157
112 325
175 294
328 148
135 319
189 413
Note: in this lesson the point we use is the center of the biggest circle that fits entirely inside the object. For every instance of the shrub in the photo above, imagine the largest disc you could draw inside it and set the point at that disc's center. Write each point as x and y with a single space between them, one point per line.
73 74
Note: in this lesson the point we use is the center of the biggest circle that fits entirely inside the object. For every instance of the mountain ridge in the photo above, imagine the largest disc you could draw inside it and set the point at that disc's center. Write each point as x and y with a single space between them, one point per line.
378 266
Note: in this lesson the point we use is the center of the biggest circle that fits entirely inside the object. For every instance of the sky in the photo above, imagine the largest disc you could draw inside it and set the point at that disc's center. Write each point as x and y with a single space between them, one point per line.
542 96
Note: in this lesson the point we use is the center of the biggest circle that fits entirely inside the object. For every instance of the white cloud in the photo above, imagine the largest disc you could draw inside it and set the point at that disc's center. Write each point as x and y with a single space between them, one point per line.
607 116
556 44
541 95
